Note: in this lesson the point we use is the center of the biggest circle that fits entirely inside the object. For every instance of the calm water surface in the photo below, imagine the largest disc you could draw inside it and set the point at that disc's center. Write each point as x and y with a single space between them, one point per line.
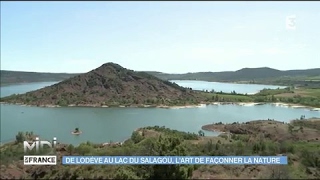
22 88
116 124
225 87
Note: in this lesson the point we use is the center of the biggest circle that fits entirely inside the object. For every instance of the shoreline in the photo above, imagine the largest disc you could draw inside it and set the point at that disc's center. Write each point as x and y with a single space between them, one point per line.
113 106
202 104
216 128
228 128
102 144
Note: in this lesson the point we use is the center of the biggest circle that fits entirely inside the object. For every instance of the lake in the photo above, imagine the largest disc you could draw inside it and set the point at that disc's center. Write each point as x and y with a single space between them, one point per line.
22 88
225 87
101 125
196 85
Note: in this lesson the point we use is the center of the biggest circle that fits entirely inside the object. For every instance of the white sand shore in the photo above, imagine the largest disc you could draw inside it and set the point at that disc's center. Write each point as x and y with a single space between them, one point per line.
177 107
249 104
187 106
276 104
298 106
280 104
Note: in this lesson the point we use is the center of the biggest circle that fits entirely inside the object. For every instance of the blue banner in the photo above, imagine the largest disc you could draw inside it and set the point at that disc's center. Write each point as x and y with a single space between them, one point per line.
219 160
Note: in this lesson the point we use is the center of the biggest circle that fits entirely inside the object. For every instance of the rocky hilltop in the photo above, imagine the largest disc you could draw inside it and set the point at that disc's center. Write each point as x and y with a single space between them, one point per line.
108 85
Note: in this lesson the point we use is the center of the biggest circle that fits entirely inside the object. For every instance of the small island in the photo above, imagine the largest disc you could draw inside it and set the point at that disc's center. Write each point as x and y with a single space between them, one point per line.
76 131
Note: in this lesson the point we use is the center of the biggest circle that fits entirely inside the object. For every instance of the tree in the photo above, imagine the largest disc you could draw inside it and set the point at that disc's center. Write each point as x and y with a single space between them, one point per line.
70 149
136 137
240 148
125 173
170 146
84 149
201 133
278 172
218 145
290 128
20 137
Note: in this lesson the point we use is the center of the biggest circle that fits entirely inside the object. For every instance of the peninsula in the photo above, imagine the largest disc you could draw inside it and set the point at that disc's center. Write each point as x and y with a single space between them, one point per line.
109 85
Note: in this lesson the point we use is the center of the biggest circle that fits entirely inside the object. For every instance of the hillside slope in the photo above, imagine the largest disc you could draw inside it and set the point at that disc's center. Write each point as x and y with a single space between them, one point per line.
109 84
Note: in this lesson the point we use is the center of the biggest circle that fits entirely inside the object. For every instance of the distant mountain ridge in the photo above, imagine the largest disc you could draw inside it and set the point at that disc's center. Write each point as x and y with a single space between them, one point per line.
245 74
12 77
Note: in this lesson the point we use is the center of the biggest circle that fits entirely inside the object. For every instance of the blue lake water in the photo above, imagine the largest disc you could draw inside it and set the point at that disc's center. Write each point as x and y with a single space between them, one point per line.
225 87
116 124
22 88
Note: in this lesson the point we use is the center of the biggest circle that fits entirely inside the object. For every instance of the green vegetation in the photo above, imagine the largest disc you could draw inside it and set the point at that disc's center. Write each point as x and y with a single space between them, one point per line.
13 152
268 92
303 154
302 96
312 81
109 85
308 124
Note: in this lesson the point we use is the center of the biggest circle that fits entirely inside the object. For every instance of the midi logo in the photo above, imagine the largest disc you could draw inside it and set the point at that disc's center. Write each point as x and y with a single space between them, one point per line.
39 146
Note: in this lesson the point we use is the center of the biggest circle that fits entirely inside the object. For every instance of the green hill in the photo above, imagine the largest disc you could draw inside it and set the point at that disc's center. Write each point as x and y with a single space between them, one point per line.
110 84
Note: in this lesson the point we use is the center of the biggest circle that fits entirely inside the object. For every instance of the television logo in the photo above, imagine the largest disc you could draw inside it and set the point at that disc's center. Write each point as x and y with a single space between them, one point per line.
38 144
39 159
291 22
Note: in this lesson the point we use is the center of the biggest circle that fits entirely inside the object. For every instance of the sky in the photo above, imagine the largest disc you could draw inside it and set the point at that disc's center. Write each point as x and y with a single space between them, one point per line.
170 37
